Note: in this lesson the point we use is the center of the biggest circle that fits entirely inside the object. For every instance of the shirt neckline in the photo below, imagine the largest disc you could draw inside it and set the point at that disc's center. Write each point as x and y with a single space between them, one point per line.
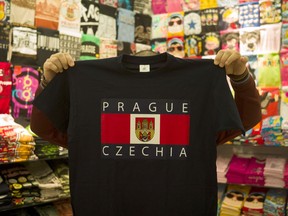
164 58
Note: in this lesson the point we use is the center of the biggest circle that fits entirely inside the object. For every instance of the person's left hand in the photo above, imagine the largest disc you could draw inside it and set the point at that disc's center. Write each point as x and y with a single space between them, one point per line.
234 63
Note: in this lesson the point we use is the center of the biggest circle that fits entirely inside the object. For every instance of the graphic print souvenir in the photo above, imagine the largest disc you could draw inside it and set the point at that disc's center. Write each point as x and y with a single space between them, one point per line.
107 48
211 43
70 16
125 48
284 36
188 5
27 10
47 14
25 83
230 40
269 70
5 87
270 12
111 3
284 11
193 45
90 46
269 101
89 17
159 45
152 134
159 26
175 46
24 46
126 4
143 7
270 40
47 44
142 29
284 69
175 25
192 23
158 6
126 25
70 44
173 6
4 41
209 20
249 41
229 18
4 10
107 23
249 15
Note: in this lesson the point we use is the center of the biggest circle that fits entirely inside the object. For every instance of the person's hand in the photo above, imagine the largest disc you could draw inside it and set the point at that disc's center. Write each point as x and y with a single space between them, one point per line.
234 63
56 64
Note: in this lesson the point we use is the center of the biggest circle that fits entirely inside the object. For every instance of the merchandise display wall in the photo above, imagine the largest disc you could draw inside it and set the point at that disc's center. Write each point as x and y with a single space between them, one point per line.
32 30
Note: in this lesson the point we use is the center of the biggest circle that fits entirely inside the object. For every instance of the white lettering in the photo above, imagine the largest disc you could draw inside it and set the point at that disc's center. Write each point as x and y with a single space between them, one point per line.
185 107
183 152
132 151
143 153
105 105
120 106
154 107
104 147
136 106
171 108
119 149
171 151
159 151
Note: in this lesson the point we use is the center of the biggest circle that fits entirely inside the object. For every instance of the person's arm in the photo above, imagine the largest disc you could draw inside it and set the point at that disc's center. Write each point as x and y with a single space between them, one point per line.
40 124
246 94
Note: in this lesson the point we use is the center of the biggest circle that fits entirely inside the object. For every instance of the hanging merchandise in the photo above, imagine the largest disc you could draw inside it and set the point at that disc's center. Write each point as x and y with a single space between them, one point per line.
70 16
229 18
24 46
143 6
209 20
107 22
173 6
126 25
142 29
89 47
230 40
284 11
269 70
5 87
47 14
90 14
270 38
158 6
192 23
4 10
159 26
111 3
189 5
249 14
126 4
175 46
47 44
70 44
270 12
4 41
193 45
26 9
284 69
211 43
125 48
107 48
159 45
25 83
175 25
249 41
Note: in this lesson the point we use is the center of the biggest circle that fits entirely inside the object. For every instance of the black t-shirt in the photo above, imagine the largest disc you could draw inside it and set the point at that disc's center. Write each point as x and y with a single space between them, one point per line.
142 143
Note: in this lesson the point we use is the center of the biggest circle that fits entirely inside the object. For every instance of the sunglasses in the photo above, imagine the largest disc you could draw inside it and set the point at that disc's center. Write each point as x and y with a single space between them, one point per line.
171 23
251 199
230 196
172 49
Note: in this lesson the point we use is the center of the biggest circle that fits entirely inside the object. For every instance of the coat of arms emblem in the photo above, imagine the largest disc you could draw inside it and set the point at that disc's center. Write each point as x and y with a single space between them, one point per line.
145 129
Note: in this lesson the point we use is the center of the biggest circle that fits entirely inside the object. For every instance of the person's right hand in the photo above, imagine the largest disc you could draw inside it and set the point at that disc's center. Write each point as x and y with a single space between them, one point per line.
56 64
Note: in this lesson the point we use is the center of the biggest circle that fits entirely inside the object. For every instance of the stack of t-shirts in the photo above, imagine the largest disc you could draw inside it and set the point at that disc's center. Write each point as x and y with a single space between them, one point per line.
16 143
234 199
50 186
222 167
221 193
274 172
5 194
254 202
272 131
61 170
275 202
23 187
237 170
44 149
255 172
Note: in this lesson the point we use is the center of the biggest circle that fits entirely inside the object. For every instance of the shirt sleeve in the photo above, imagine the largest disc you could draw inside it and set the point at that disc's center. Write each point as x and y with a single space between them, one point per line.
247 100
227 115
50 114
